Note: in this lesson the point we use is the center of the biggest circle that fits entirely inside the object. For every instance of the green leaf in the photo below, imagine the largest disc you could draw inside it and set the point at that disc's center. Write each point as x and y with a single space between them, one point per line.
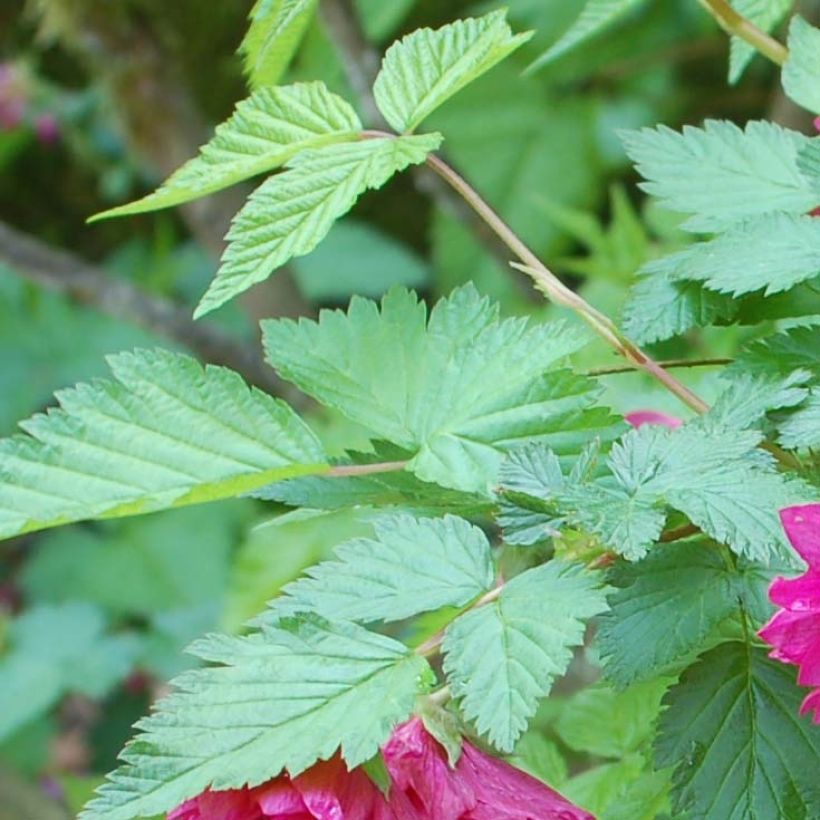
721 174
380 19
808 161
540 757
802 428
801 73
456 392
290 213
424 69
733 733
54 651
265 131
659 308
281 698
795 349
596 16
164 433
667 608
275 31
766 15
772 253
502 658
412 565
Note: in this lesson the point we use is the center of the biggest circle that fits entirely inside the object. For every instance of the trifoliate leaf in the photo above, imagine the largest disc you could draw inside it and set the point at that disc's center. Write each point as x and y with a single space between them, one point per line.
275 31
281 698
666 608
424 69
165 433
732 732
56 650
265 131
456 392
766 15
596 16
412 565
801 73
721 174
502 658
802 428
659 308
771 253
795 349
289 214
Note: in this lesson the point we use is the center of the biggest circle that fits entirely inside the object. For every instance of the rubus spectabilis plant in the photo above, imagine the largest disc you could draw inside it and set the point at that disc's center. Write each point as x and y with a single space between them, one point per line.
515 519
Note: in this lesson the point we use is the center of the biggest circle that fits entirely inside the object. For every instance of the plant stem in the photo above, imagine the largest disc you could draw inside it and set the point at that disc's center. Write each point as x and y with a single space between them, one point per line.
733 23
547 282
672 363
345 470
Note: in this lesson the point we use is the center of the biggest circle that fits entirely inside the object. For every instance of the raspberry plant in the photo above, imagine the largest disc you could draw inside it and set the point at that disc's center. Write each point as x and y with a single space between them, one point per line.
517 521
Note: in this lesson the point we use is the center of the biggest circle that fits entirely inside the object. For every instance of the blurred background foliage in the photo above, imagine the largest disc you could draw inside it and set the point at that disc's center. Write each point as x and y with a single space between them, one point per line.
100 101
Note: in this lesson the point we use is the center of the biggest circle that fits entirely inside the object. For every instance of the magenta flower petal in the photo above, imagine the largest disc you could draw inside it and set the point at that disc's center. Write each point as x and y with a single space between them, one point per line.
638 418
234 804
278 798
794 631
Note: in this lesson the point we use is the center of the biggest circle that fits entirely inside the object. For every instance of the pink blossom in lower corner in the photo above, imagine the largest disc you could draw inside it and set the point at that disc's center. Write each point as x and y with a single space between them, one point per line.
424 787
637 418
794 631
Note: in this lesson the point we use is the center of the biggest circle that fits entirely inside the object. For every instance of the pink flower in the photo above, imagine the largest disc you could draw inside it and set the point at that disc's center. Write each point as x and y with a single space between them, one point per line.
637 418
47 129
424 787
794 631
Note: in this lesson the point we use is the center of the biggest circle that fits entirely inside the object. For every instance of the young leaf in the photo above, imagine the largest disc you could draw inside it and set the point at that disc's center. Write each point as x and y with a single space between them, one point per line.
766 15
802 428
282 698
771 253
456 392
721 174
594 18
733 733
801 73
265 131
666 608
424 69
290 213
275 31
165 433
502 658
411 566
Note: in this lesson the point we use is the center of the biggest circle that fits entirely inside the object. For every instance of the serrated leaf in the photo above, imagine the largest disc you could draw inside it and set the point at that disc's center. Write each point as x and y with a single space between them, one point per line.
424 69
659 308
808 161
282 698
801 72
795 349
502 658
164 433
455 392
265 131
721 174
275 31
802 428
290 213
733 733
766 15
412 565
770 253
596 16
666 608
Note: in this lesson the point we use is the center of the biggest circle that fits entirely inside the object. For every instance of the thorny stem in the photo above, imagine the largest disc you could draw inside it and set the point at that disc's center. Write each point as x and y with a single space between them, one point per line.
733 23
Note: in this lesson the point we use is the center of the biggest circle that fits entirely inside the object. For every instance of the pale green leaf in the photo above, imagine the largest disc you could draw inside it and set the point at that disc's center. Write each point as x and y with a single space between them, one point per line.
720 174
779 355
265 131
766 15
411 565
801 73
164 433
424 69
290 213
456 392
596 16
282 698
275 31
739 748
771 253
802 428
808 161
502 658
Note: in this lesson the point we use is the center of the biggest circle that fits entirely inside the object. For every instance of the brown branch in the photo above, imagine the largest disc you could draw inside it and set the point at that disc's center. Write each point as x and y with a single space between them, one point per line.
85 284
671 364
